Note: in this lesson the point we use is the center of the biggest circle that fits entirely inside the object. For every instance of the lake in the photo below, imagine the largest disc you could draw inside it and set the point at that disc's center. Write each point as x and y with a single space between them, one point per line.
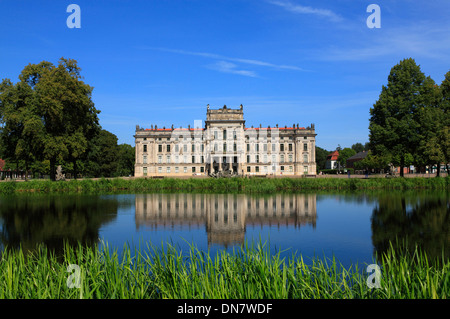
353 227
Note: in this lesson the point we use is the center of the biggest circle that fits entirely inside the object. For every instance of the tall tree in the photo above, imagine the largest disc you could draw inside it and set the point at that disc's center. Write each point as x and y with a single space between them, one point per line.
321 157
22 128
394 129
126 160
103 157
64 107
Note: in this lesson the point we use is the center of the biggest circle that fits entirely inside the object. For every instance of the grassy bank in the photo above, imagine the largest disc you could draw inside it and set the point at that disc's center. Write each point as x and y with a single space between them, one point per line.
247 185
250 272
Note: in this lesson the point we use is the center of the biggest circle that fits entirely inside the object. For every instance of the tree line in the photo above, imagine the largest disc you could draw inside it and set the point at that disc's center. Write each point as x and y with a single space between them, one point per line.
48 118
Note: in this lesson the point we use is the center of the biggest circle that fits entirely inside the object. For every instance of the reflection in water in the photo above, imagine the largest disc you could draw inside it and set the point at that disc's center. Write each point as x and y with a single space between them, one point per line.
225 216
421 218
53 219
352 226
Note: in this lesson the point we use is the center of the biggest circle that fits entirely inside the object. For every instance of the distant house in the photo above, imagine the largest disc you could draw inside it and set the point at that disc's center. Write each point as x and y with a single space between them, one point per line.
331 162
356 158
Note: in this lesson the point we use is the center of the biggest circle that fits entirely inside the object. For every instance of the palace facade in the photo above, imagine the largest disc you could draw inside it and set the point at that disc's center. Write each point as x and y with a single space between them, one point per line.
225 145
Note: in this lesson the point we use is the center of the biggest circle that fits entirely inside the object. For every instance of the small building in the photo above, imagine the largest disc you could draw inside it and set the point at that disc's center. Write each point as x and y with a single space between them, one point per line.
332 158
356 158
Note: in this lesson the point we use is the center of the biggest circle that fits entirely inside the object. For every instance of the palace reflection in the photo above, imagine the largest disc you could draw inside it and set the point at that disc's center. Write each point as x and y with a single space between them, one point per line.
225 216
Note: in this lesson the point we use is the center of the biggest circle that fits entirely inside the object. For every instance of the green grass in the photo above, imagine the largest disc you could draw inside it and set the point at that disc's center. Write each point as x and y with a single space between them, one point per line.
246 185
248 272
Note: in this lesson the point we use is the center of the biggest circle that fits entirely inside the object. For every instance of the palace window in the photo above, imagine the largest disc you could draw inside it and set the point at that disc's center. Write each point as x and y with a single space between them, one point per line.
145 171
290 147
159 148
168 148
145 159
305 158
145 148
305 147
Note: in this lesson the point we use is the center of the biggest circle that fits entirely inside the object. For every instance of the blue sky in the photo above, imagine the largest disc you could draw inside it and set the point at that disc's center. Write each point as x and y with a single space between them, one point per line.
298 61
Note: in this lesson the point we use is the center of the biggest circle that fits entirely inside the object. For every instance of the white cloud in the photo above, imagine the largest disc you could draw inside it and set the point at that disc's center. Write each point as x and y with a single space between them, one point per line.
420 41
296 8
228 67
237 60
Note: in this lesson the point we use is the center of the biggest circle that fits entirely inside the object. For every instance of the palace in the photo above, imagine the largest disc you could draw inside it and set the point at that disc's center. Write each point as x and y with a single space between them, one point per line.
225 146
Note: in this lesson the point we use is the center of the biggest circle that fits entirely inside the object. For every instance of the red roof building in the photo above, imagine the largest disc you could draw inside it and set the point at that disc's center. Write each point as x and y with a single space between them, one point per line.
332 160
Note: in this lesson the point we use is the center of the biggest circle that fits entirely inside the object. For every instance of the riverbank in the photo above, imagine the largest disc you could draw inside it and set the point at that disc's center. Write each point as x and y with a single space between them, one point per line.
244 185
251 272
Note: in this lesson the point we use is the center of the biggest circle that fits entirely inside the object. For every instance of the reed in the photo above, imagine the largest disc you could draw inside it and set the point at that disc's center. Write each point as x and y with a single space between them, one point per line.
249 272
244 185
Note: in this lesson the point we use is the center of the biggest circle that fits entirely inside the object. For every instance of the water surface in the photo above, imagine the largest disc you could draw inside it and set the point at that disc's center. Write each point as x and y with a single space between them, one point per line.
352 227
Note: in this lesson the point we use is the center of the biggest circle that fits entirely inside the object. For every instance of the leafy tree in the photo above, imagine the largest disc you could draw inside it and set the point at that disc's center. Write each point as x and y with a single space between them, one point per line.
103 157
321 158
358 147
395 122
126 160
443 135
52 115
22 127
344 154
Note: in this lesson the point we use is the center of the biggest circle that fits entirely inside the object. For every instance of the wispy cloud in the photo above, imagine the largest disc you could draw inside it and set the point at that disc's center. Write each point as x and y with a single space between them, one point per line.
423 41
299 9
232 59
228 67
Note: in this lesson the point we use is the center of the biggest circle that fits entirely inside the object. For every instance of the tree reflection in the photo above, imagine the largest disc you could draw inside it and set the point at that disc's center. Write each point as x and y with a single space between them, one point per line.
52 220
421 219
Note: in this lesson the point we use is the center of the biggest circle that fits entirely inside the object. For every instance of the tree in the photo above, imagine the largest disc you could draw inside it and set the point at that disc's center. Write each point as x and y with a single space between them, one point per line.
358 147
22 130
103 157
126 160
59 113
394 129
443 135
321 158
344 154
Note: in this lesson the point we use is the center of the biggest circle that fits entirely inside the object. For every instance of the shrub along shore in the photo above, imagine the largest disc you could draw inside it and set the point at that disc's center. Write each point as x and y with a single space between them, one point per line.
244 185
248 272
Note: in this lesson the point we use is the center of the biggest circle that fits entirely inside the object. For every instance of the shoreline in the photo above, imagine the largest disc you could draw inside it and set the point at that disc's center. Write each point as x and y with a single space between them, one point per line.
235 184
